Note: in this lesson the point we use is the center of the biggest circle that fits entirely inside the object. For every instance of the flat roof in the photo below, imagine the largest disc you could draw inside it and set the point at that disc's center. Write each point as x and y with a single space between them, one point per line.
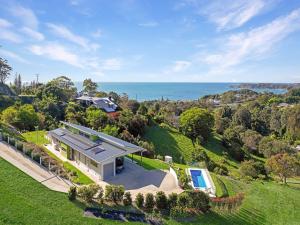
104 137
99 152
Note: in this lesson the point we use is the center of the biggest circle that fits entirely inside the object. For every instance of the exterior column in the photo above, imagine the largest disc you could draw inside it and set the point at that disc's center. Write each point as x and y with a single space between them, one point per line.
114 167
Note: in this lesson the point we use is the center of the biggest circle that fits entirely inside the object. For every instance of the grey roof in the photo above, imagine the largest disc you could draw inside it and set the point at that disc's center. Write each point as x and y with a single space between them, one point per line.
99 152
104 137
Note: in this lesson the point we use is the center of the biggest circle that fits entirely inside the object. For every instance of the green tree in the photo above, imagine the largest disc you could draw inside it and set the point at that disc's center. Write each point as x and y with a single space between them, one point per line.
172 200
89 86
87 192
269 146
5 70
139 200
149 202
74 113
72 193
251 140
23 117
283 165
127 200
196 123
242 117
111 130
114 192
293 122
249 168
96 118
161 200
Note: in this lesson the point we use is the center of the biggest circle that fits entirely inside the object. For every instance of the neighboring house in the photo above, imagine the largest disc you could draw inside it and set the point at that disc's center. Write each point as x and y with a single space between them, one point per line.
97 153
105 104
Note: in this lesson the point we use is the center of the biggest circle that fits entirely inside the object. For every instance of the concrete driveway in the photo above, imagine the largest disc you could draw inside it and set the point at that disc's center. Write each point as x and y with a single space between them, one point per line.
136 179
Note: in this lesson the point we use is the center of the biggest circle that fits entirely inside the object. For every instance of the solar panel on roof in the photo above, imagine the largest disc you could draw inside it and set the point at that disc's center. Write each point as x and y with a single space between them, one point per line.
76 142
98 150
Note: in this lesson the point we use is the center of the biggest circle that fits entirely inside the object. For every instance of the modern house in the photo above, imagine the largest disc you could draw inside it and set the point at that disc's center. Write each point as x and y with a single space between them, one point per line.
97 153
105 104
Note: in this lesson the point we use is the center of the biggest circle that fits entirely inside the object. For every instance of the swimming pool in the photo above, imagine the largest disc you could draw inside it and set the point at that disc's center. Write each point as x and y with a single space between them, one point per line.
201 180
198 179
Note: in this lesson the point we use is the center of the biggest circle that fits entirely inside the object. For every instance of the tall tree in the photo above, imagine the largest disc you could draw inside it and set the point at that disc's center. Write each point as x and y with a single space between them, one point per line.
196 123
284 165
5 70
89 86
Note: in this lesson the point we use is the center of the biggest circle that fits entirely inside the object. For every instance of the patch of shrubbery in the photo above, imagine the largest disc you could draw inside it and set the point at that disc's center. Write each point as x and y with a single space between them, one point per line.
252 169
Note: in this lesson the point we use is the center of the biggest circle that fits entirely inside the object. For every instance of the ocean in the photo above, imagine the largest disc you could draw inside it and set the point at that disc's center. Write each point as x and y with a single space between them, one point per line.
171 91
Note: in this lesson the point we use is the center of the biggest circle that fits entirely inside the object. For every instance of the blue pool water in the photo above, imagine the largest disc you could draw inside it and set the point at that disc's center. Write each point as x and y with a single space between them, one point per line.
198 179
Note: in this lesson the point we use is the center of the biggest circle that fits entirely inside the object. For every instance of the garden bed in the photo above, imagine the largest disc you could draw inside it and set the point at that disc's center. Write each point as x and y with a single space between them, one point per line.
118 215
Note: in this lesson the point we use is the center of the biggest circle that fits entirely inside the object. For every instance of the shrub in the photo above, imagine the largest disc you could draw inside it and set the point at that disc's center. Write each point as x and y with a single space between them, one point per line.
183 200
252 169
184 180
172 200
221 169
139 200
114 192
161 200
149 202
87 193
127 200
198 200
178 212
72 194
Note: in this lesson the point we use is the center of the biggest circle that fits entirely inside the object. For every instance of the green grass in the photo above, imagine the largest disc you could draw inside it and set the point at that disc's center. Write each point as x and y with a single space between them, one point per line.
221 190
150 164
168 141
38 137
81 177
25 201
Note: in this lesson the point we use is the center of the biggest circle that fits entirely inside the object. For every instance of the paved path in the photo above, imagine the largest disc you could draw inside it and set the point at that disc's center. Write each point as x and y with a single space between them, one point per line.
33 169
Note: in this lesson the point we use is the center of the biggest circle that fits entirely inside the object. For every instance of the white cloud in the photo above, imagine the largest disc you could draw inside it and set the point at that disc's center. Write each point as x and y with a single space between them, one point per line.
4 23
65 33
228 14
10 36
13 55
255 43
56 52
33 34
25 15
149 24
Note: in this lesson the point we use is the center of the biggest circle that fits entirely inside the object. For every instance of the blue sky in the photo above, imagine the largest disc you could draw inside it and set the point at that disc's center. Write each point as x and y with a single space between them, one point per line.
154 40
